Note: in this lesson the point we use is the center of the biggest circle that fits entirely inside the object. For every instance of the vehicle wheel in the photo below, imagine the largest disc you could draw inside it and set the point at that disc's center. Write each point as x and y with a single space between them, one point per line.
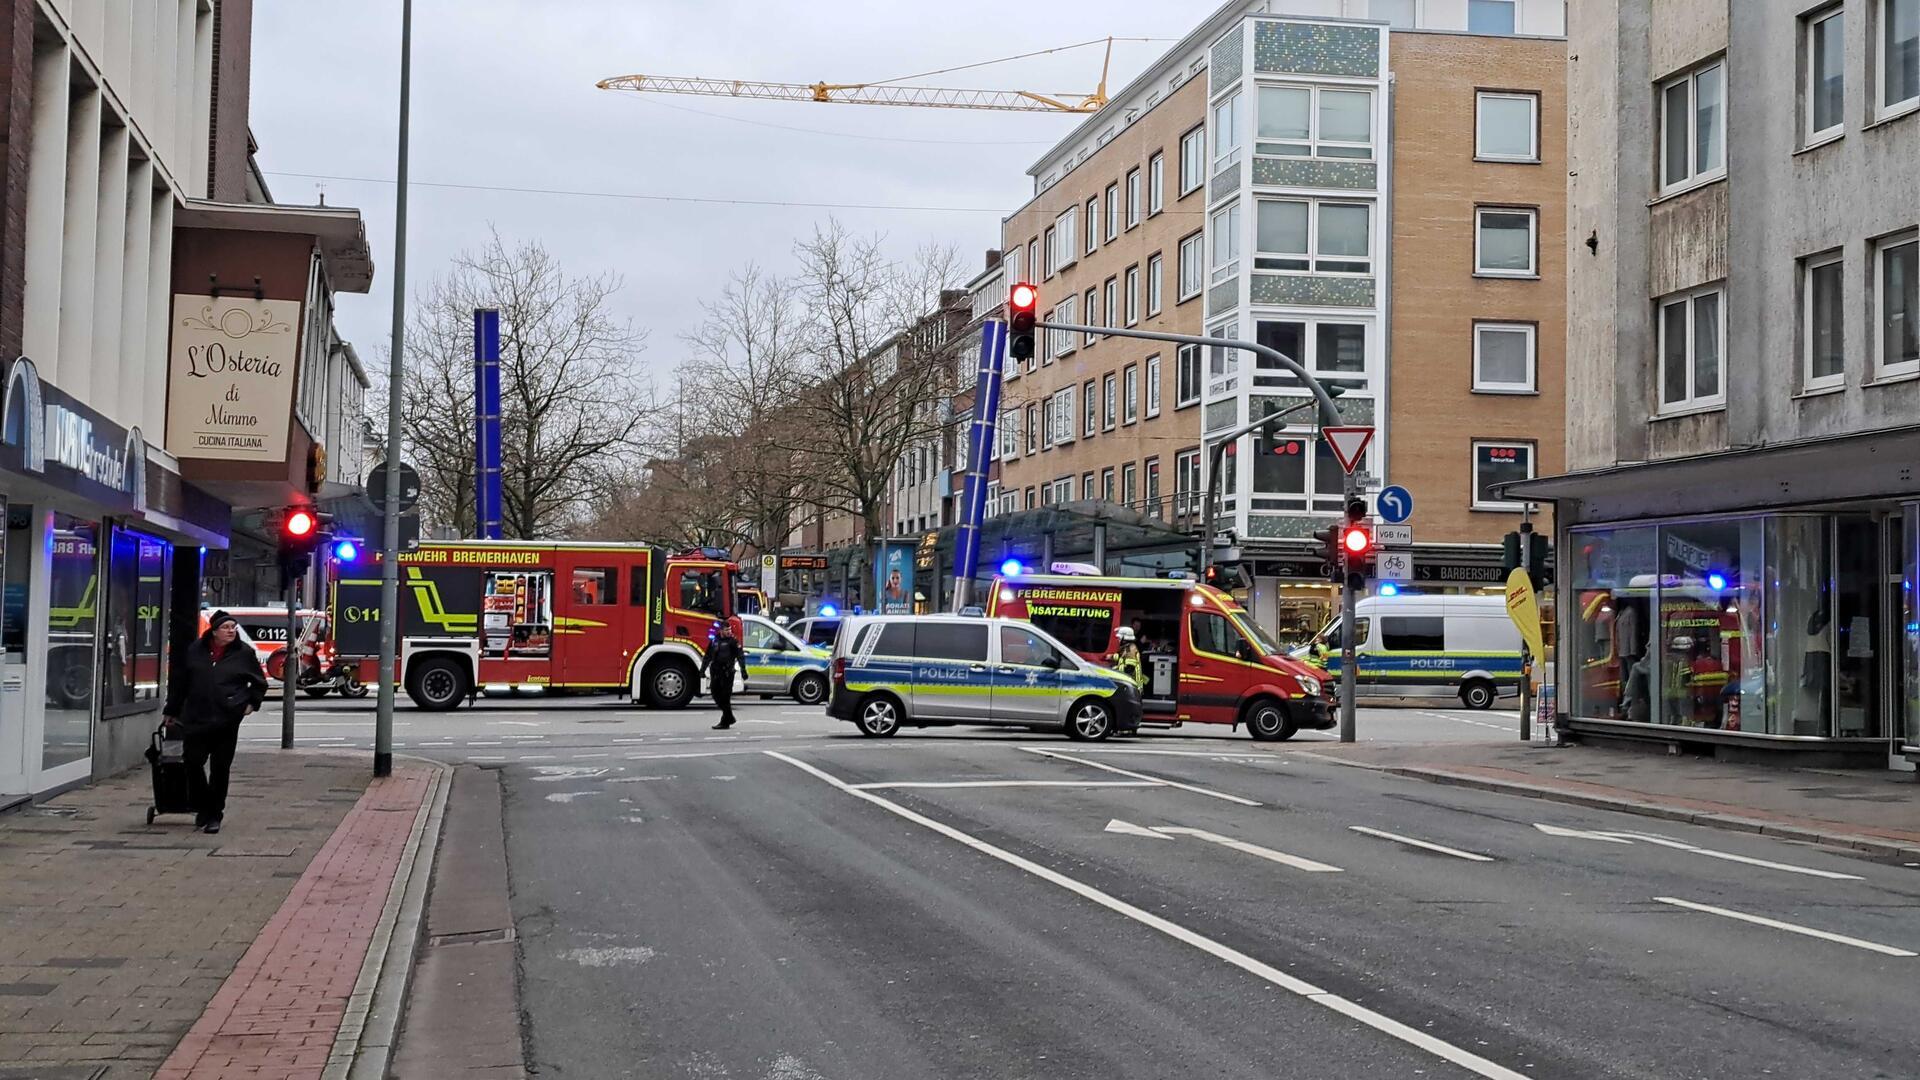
73 685
1477 694
354 688
810 688
276 665
670 684
1090 721
438 684
1267 721
879 716
316 691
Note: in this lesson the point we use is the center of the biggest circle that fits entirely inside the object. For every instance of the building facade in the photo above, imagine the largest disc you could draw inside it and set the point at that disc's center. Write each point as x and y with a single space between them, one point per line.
1737 525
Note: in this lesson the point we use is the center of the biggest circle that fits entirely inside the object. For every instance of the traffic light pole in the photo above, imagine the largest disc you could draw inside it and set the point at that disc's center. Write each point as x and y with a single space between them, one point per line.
1349 658
1215 455
288 676
390 526
1526 661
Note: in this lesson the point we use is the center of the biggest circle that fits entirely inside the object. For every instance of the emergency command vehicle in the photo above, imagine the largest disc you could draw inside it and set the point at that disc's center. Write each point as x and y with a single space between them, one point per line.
1203 658
624 618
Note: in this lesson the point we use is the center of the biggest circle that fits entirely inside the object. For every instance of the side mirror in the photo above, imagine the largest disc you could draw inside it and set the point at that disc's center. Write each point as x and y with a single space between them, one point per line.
1245 652
1051 663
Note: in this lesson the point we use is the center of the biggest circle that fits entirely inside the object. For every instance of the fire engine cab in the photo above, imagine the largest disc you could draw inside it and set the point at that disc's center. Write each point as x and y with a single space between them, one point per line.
554 616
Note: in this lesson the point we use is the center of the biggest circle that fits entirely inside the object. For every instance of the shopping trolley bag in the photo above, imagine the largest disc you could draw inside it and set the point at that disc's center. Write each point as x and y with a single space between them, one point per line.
168 758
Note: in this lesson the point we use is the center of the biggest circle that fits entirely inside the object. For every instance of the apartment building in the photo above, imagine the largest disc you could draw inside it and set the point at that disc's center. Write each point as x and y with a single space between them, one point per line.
1738 522
1373 188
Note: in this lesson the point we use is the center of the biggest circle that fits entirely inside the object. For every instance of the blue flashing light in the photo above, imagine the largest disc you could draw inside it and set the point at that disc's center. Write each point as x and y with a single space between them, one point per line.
828 611
1011 568
1388 588
346 550
1716 581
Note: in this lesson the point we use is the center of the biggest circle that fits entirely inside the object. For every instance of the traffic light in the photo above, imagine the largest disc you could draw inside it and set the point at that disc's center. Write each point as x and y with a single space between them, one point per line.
1538 563
299 535
1330 556
1022 300
1536 559
1509 554
1356 544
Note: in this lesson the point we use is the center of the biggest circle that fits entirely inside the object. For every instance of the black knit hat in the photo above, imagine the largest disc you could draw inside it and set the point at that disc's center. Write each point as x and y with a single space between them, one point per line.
218 617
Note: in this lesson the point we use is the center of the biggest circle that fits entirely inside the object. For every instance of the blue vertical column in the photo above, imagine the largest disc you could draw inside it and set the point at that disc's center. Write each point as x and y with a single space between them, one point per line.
488 506
980 455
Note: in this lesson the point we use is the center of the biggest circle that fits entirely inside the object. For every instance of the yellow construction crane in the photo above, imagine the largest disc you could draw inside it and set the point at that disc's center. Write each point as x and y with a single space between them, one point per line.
885 92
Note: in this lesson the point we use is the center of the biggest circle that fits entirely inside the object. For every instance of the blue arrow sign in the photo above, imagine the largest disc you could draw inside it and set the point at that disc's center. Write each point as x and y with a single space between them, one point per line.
1394 503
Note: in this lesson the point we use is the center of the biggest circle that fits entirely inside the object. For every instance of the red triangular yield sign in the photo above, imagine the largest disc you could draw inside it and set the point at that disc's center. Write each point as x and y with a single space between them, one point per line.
1347 444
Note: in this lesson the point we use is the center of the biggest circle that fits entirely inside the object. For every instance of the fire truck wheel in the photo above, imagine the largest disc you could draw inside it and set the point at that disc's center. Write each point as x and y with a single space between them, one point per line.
438 684
1268 722
1090 721
879 716
670 684
810 688
1477 694
316 691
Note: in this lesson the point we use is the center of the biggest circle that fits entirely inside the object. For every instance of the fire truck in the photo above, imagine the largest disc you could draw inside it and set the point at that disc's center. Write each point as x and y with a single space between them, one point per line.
553 616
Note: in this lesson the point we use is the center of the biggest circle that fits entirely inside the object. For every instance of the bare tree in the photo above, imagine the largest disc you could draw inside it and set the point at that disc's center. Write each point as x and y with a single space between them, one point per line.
573 404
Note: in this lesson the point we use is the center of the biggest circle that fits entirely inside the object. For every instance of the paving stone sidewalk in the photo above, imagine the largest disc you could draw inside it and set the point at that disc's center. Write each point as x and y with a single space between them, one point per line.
116 936
1872 810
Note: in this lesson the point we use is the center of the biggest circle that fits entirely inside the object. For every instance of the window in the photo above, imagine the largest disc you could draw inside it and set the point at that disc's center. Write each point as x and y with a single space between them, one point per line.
1823 358
1047 413
1212 633
1033 256
1106 485
1065 231
1130 407
1090 405
1053 263
1062 490
1153 485
1503 358
1155 266
1113 302
1507 127
700 591
135 639
1156 183
1088 486
1323 237
1012 264
1503 242
1693 128
1296 472
1031 501
1025 648
1113 211
1323 347
1129 483
1226 242
1412 633
1133 295
1133 197
1111 401
1193 159
1063 416
1192 273
1692 326
1186 366
1314 121
1226 132
1153 387
1395 13
1826 71
1062 340
1033 427
1186 481
1898 43
956 640
1093 314
1897 301
1495 464
1010 434
896 639
1093 224
1490 16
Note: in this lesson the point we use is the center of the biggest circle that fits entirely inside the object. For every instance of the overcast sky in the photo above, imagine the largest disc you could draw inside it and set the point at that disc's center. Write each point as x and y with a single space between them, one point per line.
505 99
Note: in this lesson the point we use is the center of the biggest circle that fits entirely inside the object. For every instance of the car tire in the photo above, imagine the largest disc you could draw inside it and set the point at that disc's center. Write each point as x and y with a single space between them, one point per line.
880 716
1268 721
810 688
1090 720
671 684
439 683
1477 694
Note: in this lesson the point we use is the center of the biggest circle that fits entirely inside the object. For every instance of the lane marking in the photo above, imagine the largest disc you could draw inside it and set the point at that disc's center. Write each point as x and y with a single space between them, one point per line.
1455 852
515 723
1680 845
1140 776
1439 1048
1791 928
618 741
476 743
1464 720
1579 834
1224 755
485 757
1128 828
1003 784
1281 857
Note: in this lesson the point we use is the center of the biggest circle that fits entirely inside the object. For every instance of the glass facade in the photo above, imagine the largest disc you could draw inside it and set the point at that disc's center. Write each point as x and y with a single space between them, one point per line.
74 597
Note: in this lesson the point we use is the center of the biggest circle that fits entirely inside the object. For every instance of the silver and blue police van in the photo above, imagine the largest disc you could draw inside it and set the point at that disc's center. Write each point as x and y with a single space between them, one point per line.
928 670
778 663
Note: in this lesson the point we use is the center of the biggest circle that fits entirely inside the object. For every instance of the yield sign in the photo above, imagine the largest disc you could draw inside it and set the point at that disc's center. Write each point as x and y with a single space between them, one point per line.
1347 443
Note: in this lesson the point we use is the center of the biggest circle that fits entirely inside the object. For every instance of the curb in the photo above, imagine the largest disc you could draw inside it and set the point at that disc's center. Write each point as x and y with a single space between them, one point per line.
367 1033
1852 843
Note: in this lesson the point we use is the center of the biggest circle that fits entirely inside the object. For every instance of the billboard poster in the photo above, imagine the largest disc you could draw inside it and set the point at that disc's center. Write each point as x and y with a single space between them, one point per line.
896 579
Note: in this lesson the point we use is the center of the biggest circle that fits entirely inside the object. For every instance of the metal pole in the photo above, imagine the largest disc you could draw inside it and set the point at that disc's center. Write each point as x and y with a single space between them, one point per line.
289 662
980 455
1526 657
1349 658
1329 414
1213 476
390 544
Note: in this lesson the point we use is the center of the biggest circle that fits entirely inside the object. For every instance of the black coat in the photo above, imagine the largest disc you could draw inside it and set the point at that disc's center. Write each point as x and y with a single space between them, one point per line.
722 657
207 695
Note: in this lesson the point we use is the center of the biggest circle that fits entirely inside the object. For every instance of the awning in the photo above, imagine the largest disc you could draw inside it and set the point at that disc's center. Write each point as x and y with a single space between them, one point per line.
341 233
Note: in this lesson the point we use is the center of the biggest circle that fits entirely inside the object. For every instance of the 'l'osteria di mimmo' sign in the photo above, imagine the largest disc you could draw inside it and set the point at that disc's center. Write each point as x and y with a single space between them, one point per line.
230 377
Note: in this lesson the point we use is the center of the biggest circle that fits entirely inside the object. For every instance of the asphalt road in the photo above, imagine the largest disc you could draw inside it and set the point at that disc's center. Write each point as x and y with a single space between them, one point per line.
789 901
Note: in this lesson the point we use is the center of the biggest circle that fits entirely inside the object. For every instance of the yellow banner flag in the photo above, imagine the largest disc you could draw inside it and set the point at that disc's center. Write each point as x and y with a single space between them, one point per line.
1525 613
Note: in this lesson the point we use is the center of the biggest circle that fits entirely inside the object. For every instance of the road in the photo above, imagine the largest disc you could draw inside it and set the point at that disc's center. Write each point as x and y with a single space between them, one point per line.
789 901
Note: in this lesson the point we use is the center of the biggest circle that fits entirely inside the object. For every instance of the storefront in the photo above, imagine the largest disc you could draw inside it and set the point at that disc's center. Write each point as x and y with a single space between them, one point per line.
100 560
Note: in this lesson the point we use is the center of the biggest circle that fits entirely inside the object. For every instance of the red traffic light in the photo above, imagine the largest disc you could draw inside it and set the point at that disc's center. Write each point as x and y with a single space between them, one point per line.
1356 540
1023 297
300 523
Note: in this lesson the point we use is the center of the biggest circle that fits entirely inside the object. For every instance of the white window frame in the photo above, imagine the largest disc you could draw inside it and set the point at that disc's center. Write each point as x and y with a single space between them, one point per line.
1066 238
1133 197
1198 243
1031 425
1063 489
1153 386
1314 142
1156 278
1132 312
1882 250
1111 302
1093 225
1156 183
1090 408
1063 416
1033 256
1513 5
1533 242
1130 394
1411 19
1480 98
1129 484
1816 136
1189 356
1109 400
1482 385
1113 210
1882 108
1047 413
1052 253
1695 176
1092 316
1089 484
1809 381
1312 255
1186 466
1227 133
1198 139
1150 481
1473 470
1224 253
1063 340
1009 434
1689 403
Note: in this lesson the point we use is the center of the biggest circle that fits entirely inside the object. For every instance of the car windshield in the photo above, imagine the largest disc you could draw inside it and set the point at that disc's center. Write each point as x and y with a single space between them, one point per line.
1260 638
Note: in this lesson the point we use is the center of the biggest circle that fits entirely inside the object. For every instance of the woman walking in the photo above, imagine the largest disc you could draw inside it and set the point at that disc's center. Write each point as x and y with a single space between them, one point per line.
218 685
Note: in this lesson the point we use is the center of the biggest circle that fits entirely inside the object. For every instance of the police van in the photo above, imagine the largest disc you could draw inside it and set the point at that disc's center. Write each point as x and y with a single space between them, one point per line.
1427 647
780 663
926 670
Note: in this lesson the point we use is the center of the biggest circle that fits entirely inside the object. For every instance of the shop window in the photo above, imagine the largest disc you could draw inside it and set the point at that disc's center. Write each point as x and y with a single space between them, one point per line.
73 598
19 570
1907 606
136 627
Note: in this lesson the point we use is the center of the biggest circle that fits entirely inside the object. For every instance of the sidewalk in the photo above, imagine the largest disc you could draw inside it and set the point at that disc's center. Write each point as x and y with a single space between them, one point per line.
1869 810
123 947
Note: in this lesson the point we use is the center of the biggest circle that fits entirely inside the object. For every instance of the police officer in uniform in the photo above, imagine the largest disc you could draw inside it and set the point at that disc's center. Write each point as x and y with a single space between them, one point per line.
722 657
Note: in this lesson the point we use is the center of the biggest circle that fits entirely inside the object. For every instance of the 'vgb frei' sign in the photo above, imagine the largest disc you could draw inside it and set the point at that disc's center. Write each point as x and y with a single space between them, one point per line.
230 377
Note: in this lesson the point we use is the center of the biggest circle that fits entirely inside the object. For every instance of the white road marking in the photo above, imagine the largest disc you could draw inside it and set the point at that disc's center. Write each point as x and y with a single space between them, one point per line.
1439 1048
1219 756
1729 856
1455 852
486 744
766 721
1787 926
486 757
629 740
522 757
436 744
1140 776
1128 828
514 723
1579 834
1475 723
1281 857
1005 784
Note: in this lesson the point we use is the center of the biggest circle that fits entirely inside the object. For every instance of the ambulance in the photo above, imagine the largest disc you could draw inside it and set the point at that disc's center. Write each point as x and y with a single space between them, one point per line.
1205 660
511 615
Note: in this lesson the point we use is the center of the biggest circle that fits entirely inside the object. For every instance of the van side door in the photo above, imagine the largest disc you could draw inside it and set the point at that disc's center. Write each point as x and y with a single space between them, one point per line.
1026 677
950 677
1213 677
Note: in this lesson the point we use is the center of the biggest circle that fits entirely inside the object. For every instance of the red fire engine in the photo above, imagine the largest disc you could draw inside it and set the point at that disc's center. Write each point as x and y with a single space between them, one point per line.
474 615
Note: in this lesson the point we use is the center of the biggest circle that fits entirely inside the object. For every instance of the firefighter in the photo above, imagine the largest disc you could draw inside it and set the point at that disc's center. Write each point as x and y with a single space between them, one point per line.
1707 684
1127 659
723 655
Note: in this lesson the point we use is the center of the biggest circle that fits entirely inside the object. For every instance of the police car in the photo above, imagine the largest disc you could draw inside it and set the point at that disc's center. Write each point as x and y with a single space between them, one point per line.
926 670
780 663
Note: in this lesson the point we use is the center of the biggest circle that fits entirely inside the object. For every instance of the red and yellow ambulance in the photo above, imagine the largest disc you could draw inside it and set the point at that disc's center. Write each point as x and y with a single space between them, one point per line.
1204 659
620 618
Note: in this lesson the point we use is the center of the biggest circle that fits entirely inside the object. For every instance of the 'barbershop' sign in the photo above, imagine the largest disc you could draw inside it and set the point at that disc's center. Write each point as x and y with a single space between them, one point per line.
230 377
49 435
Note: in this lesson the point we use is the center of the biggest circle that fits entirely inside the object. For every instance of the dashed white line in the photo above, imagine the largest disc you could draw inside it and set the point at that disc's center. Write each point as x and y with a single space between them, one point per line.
1464 720
1397 838
1005 784
486 744
1210 793
1222 755
1791 928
